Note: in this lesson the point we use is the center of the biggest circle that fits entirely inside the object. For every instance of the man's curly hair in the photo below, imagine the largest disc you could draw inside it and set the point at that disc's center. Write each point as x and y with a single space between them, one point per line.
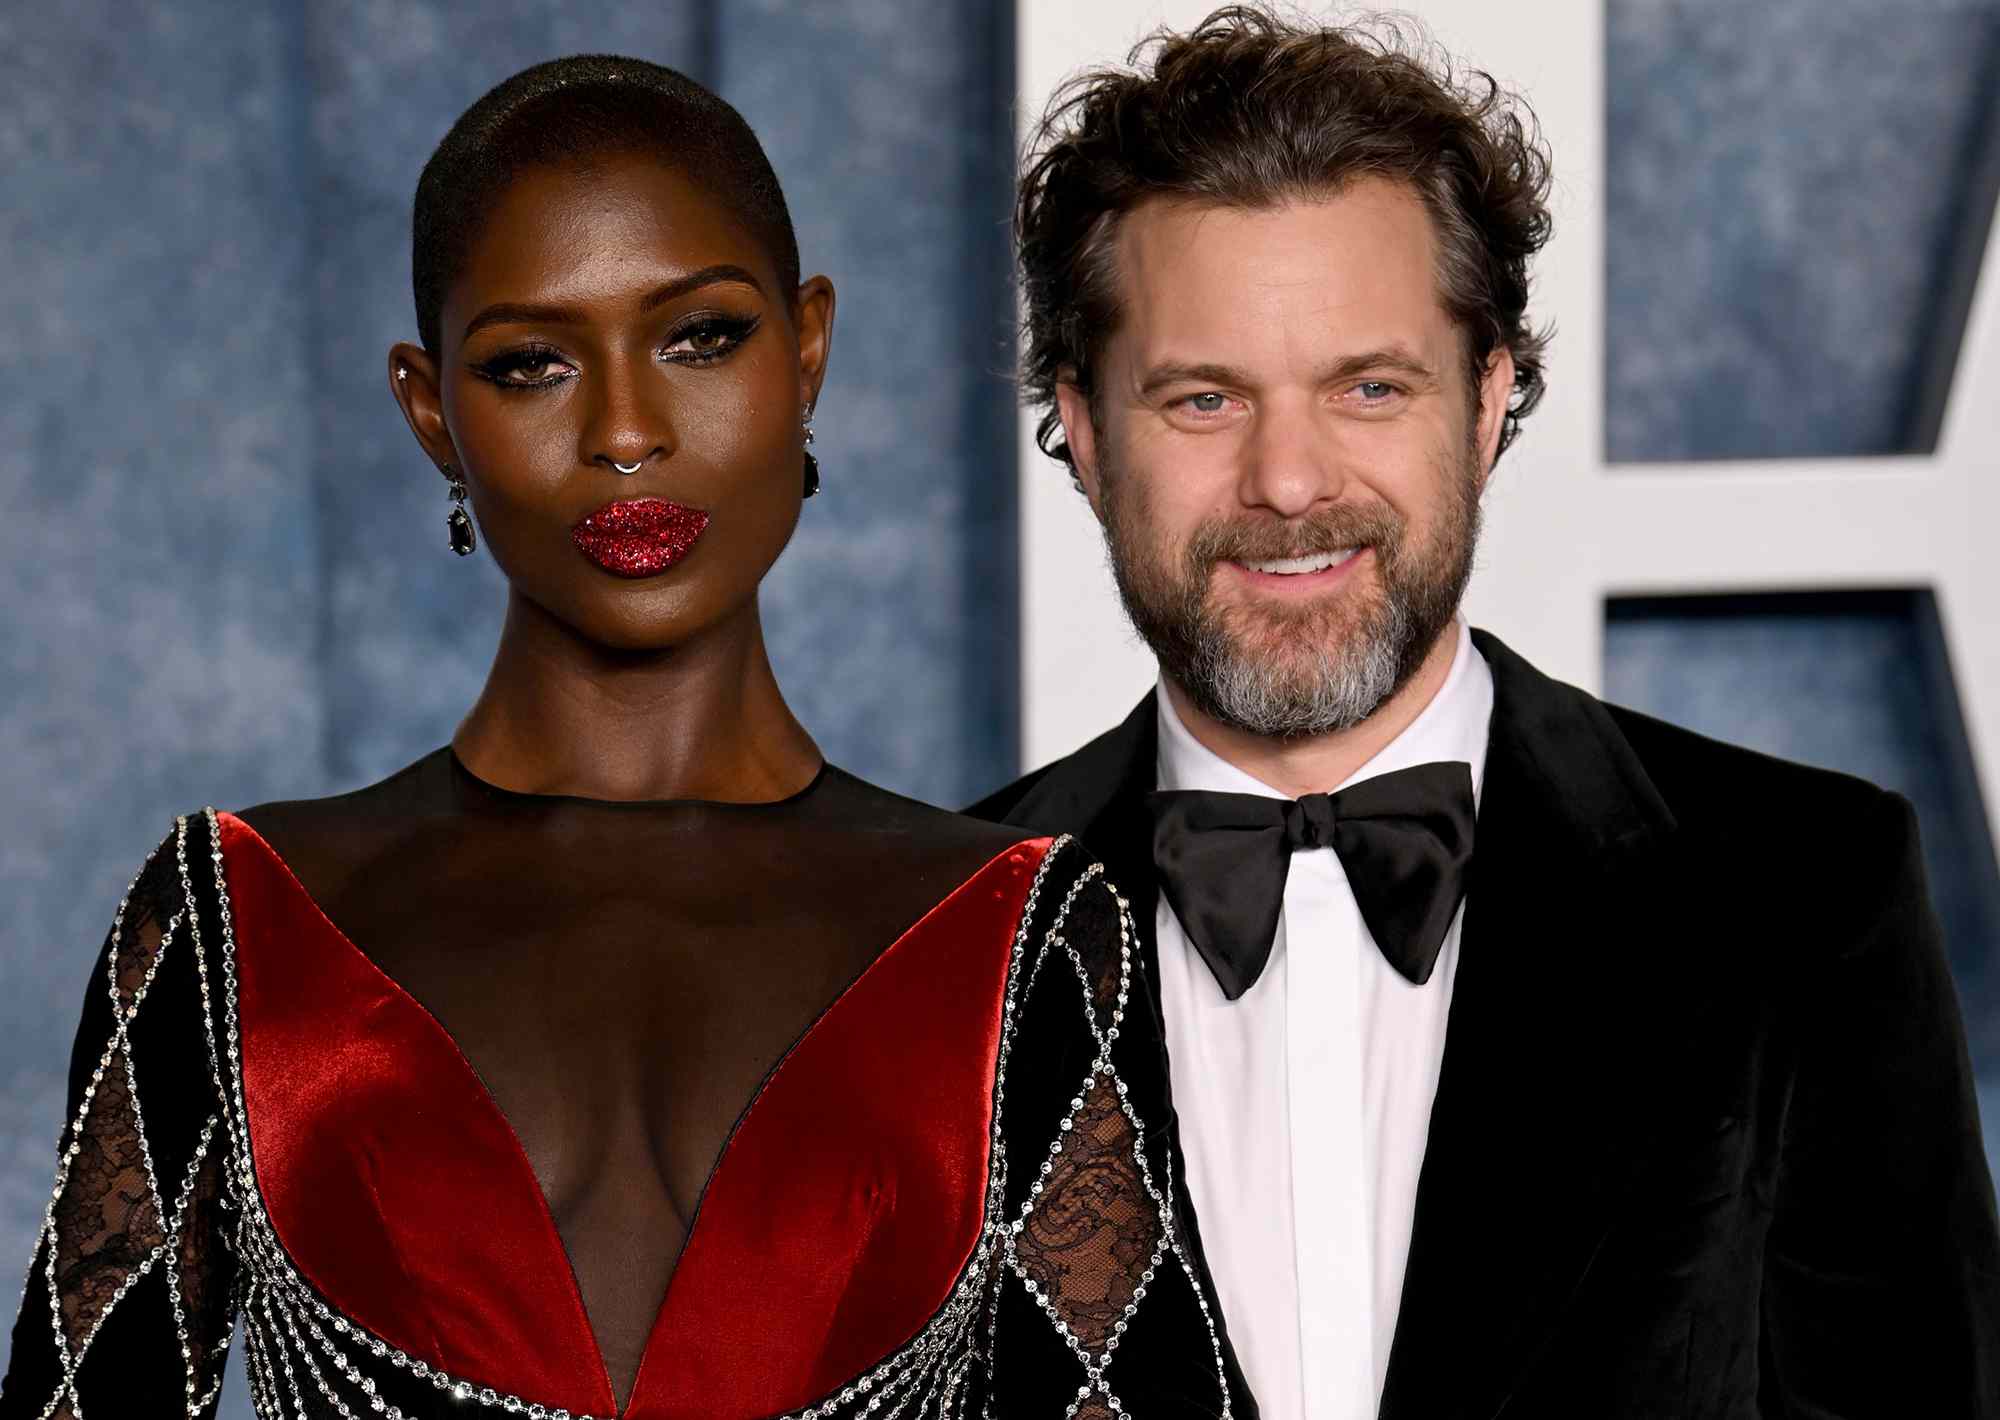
1249 110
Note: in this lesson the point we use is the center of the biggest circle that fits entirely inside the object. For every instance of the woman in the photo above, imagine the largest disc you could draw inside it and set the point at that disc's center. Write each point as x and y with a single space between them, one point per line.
566 1072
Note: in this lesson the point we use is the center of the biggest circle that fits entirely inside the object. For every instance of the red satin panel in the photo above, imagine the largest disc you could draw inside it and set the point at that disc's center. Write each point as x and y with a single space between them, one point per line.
851 1196
842 1211
390 1175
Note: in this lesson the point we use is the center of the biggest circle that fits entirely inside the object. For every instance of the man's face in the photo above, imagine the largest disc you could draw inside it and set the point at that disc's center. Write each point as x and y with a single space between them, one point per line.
1287 452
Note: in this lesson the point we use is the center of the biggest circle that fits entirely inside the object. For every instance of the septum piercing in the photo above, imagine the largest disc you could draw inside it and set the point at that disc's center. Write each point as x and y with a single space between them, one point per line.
625 468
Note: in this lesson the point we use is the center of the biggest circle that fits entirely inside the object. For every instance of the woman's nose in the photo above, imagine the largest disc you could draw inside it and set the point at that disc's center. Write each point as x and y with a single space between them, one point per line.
629 425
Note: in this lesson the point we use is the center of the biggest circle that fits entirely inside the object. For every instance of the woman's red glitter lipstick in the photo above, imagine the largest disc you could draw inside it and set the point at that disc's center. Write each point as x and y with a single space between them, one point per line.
638 537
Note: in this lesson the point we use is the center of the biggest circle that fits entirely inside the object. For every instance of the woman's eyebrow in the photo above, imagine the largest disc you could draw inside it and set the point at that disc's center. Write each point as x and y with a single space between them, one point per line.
695 280
517 313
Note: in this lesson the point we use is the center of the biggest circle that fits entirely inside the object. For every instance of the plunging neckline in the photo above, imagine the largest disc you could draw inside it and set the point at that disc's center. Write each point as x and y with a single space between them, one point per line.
517 1154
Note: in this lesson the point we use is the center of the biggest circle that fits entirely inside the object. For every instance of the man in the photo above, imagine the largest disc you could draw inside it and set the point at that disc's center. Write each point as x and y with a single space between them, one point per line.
1529 1056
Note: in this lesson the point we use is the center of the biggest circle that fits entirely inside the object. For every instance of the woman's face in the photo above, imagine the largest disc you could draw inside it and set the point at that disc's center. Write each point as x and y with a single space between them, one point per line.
621 385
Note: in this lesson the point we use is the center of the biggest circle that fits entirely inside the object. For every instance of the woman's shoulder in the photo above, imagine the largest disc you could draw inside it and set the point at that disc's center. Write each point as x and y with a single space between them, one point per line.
924 834
406 791
323 841
1064 889
870 806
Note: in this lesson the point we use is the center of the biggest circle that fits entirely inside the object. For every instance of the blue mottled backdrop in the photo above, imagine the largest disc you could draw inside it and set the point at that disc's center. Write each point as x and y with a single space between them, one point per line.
223 557
1798 198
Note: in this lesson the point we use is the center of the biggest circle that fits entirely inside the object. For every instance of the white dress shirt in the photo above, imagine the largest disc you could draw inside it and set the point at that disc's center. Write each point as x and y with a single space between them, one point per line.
1305 1104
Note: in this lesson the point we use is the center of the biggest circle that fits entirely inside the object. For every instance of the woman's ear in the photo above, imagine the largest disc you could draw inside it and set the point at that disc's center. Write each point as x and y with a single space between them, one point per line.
413 379
812 314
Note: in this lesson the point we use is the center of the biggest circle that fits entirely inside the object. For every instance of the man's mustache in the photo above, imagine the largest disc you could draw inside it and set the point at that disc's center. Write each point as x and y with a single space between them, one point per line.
1261 539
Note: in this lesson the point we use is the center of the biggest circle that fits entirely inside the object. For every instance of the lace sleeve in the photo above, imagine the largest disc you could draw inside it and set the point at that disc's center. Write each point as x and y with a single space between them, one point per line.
126 1308
1089 1232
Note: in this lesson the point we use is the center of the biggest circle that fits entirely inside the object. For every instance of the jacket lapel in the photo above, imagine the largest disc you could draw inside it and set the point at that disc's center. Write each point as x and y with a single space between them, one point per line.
1556 1035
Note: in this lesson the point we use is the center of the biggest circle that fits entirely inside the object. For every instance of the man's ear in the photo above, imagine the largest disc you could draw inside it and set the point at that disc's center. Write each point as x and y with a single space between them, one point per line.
1496 389
1080 433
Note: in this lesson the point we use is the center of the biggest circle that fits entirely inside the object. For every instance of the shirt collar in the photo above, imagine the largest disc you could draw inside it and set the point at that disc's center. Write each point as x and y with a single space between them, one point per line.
1453 726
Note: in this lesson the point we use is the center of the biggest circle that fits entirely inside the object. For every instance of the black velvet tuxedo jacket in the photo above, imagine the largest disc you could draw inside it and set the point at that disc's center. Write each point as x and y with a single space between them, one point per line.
1704 1141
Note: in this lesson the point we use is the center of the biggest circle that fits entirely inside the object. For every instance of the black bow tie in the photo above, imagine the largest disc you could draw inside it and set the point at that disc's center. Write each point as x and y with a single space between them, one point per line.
1404 839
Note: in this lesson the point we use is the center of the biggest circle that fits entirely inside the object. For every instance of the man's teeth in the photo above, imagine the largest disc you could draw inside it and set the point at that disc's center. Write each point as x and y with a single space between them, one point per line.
1297 566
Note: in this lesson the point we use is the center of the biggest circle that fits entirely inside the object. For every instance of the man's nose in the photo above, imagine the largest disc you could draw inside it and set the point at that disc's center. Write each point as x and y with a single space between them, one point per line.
1290 463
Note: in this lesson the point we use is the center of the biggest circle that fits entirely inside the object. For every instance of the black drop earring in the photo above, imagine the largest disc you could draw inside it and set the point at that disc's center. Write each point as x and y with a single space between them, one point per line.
463 539
812 464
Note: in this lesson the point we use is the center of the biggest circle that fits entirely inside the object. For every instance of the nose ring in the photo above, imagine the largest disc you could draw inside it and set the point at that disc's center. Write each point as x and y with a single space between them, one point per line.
625 467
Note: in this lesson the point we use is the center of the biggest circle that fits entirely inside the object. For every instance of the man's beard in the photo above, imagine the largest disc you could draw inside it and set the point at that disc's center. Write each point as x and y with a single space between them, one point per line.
1294 671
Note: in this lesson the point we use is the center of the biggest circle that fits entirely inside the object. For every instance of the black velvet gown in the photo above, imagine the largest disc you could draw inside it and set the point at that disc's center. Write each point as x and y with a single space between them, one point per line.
465 1102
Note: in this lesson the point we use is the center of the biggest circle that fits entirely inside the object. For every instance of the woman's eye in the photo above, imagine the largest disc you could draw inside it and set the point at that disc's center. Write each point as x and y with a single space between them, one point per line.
708 340
524 369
